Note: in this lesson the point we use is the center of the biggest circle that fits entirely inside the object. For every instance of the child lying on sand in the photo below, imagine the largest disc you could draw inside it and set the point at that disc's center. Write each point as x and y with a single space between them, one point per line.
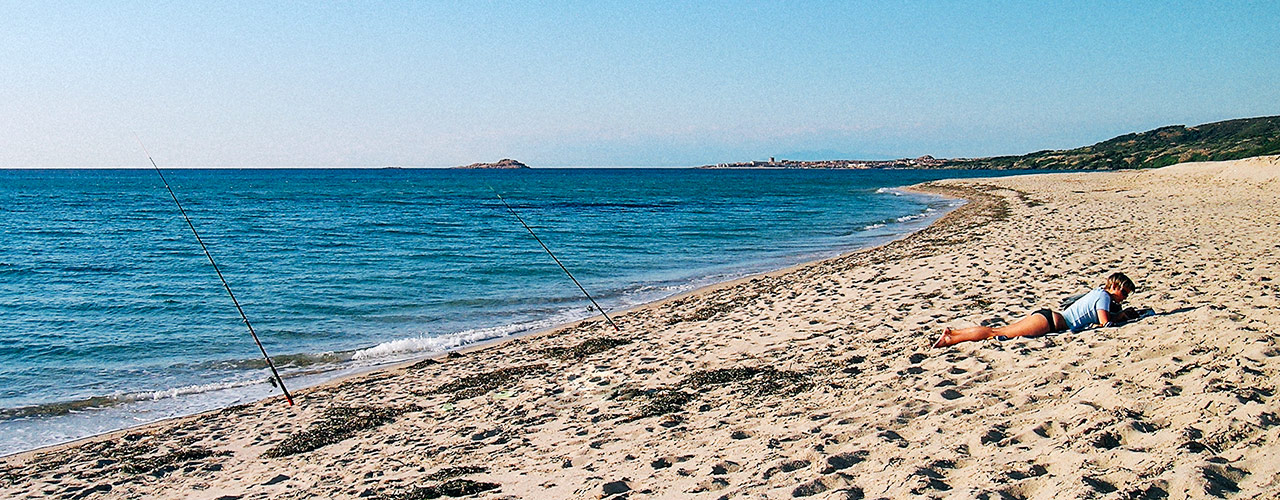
1095 308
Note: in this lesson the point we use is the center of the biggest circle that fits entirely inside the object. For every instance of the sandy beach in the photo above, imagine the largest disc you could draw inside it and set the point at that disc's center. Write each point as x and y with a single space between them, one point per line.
817 381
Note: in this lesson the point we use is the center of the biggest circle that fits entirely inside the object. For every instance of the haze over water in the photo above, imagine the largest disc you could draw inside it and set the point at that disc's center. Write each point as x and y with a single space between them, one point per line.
110 315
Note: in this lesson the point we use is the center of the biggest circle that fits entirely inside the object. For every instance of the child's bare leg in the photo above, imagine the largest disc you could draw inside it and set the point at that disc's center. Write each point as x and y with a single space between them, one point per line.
952 337
1034 324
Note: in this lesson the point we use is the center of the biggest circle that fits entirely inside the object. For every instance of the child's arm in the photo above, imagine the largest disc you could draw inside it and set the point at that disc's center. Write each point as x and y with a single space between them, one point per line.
1131 314
1106 318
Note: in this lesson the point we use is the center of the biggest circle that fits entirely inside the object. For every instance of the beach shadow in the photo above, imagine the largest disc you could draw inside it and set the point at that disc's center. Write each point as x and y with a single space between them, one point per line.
1179 310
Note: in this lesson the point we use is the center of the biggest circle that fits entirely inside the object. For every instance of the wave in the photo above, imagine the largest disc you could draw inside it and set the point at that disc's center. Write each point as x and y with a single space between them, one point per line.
302 360
320 363
908 218
16 269
194 389
100 402
418 345
889 190
403 348
92 269
643 291
54 232
294 360
656 204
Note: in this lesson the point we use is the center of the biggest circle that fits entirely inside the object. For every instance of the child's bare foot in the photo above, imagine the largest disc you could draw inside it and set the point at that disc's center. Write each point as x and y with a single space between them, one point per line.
944 340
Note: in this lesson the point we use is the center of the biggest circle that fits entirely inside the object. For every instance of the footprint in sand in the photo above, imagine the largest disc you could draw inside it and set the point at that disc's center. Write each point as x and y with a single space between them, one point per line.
1045 430
997 436
1106 441
844 461
786 466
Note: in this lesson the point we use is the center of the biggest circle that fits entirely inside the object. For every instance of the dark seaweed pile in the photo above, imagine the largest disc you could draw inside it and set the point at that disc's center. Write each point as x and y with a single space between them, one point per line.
710 308
475 385
132 454
585 348
452 472
165 462
751 381
454 488
664 401
756 381
336 424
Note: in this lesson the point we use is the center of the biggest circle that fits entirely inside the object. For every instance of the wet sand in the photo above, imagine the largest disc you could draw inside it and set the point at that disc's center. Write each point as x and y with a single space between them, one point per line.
817 381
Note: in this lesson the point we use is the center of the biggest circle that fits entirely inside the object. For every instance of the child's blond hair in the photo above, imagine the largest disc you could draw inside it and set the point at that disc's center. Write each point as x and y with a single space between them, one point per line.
1118 281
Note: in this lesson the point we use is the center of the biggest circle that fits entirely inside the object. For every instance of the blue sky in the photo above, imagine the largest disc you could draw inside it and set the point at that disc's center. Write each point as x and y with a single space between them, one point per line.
613 83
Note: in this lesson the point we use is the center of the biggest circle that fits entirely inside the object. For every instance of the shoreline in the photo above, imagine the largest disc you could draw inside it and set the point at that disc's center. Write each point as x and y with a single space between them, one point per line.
373 370
815 381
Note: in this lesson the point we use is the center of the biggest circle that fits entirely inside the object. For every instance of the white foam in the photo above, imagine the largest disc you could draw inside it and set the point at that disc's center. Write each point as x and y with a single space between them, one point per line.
421 344
892 191
191 389
648 293
412 346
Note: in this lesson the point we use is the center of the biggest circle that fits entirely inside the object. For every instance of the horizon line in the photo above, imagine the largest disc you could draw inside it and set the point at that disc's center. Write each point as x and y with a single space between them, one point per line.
334 167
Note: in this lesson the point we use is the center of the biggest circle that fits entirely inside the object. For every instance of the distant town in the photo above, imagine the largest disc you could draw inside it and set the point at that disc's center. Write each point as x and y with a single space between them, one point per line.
921 162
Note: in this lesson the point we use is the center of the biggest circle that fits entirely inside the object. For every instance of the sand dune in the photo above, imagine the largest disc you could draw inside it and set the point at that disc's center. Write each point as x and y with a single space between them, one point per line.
816 381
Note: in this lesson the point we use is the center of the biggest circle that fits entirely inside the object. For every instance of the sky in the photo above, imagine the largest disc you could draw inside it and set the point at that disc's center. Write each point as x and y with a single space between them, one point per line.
601 83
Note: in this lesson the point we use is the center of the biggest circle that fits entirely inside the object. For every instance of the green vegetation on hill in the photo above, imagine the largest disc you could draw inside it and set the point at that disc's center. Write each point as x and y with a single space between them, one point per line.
1226 140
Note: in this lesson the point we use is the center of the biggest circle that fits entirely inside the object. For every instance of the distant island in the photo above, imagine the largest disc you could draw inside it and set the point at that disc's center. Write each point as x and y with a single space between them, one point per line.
1225 140
505 163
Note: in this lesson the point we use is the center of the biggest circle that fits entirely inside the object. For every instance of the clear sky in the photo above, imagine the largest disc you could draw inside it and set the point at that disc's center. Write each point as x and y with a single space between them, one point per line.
598 83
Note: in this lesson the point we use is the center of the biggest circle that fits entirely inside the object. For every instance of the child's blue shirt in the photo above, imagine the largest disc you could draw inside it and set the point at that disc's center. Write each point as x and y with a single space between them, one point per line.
1084 312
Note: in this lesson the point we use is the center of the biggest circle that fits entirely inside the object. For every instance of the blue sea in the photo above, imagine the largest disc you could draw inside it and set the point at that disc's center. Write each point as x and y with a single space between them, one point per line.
111 316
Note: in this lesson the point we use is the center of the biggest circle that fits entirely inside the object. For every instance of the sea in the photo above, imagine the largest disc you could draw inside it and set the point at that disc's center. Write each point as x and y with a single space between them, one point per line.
111 316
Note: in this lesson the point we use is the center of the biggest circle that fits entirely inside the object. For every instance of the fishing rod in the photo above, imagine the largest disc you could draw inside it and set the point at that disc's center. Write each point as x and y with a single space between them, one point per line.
276 380
553 257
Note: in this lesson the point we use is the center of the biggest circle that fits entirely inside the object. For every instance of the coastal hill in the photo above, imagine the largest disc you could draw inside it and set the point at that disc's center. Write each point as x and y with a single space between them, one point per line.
1225 140
505 163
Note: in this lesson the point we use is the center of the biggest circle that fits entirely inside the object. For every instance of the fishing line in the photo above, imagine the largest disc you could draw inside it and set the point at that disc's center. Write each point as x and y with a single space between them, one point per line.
276 380
553 257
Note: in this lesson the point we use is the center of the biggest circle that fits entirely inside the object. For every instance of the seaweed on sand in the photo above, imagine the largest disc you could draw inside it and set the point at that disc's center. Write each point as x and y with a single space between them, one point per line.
454 488
452 472
712 308
167 462
9 476
585 348
663 402
475 385
755 381
132 454
336 424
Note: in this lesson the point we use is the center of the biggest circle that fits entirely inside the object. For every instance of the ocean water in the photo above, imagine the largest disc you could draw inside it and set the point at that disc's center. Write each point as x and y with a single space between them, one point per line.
110 315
